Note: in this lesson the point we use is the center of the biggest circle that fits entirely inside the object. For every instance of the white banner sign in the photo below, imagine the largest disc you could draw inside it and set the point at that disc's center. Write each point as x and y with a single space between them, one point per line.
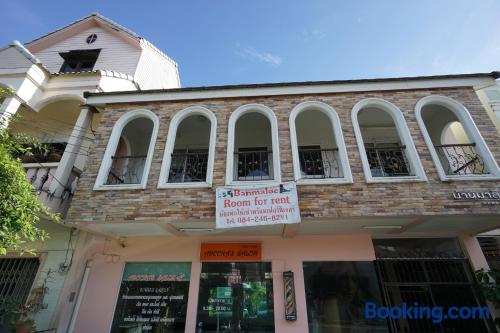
251 206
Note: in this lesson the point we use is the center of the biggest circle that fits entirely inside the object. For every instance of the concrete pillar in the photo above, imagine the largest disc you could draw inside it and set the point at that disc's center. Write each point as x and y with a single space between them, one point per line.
194 287
495 105
473 251
476 257
8 108
63 172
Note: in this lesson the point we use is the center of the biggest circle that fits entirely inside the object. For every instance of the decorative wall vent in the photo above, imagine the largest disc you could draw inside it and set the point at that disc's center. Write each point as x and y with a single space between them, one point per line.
91 38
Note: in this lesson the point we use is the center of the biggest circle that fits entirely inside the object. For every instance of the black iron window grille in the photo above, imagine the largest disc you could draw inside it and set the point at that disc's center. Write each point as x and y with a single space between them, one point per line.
253 164
188 166
490 246
388 160
491 250
461 159
126 170
16 277
319 163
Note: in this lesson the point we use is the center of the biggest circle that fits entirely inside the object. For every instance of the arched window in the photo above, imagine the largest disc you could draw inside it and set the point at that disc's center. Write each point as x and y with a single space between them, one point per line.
189 154
128 156
318 148
253 146
455 144
385 145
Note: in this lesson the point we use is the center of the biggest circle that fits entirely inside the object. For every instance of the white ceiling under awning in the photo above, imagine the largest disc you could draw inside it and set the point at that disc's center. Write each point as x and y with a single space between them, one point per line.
409 226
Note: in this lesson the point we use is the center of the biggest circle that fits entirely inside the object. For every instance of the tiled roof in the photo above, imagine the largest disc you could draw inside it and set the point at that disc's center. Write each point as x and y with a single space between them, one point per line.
102 73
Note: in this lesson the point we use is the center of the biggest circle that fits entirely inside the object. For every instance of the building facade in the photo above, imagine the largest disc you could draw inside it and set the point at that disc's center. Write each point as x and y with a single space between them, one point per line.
48 77
394 179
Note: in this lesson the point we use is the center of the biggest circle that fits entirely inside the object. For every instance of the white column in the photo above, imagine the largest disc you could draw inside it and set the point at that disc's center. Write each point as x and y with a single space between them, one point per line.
68 159
8 108
474 252
495 105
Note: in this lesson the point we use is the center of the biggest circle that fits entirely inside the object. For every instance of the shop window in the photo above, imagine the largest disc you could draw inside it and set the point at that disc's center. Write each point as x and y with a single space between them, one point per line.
336 293
318 147
235 297
129 153
385 144
253 147
189 154
432 272
457 147
153 297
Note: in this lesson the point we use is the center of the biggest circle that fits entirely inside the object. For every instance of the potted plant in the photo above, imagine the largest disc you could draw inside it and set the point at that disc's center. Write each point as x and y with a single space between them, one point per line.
24 323
18 318
8 312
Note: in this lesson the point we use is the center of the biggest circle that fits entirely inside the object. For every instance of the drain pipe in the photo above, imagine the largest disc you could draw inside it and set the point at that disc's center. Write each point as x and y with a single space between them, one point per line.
81 292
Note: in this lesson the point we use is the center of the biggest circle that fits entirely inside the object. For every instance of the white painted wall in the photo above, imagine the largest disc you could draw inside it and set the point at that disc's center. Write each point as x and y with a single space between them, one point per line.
377 126
252 130
436 118
155 71
314 128
116 84
53 123
116 54
193 133
52 253
490 98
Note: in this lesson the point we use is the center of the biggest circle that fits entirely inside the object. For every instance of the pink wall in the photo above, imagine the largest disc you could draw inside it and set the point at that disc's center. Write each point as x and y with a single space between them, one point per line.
96 310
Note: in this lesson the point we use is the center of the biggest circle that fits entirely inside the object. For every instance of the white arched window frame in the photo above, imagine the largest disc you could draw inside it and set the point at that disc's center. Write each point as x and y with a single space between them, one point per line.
404 136
269 114
113 144
339 138
471 130
169 148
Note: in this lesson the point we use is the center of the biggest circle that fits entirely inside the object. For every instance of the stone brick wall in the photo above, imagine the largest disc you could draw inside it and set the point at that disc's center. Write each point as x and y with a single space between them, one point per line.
350 200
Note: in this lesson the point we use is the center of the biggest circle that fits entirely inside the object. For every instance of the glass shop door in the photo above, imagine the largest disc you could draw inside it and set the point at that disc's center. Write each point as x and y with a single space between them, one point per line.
235 297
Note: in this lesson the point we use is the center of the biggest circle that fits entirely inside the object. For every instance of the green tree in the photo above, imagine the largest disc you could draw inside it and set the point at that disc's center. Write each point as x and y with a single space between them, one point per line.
20 208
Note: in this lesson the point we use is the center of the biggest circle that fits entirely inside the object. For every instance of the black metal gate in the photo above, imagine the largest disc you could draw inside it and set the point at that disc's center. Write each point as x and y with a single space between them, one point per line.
430 282
16 277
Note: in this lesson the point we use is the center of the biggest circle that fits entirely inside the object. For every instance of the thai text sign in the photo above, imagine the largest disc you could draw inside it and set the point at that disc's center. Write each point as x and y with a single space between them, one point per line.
230 251
252 206
153 297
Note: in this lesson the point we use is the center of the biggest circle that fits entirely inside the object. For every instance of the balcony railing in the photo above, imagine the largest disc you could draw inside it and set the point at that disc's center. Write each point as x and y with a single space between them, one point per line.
253 165
319 163
388 160
126 170
41 176
188 167
461 159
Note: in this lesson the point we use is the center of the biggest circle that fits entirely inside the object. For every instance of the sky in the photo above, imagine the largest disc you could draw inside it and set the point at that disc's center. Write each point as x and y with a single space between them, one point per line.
222 42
